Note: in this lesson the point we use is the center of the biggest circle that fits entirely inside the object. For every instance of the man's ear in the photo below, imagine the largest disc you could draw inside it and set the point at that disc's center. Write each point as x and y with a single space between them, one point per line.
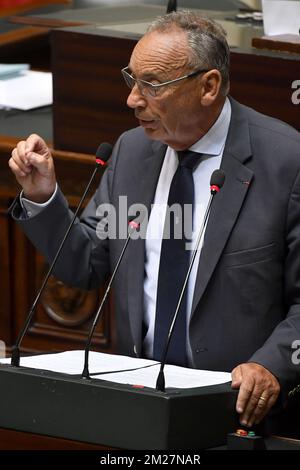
210 87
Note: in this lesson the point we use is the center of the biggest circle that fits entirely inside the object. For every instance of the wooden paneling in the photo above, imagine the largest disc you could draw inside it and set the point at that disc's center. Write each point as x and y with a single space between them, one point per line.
264 82
8 187
64 315
6 298
88 90
281 42
27 44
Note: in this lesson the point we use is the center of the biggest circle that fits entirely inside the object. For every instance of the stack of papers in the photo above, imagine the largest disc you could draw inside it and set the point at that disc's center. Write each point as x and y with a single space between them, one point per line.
281 17
12 70
27 90
123 369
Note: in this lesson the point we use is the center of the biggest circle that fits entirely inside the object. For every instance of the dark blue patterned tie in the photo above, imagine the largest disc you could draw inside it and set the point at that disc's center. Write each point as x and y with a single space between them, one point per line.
174 262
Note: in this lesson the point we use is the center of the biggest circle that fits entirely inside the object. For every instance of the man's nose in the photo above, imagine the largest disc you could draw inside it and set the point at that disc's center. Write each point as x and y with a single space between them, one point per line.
136 99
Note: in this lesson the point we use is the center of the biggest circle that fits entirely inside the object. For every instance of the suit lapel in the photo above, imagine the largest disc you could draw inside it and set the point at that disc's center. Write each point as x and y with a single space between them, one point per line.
227 204
146 181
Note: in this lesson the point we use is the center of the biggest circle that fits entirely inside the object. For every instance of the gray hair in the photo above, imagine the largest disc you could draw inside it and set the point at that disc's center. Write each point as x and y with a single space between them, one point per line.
206 39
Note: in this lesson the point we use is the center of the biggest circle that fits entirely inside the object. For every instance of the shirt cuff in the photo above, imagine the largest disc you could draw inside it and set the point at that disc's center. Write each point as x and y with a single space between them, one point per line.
34 208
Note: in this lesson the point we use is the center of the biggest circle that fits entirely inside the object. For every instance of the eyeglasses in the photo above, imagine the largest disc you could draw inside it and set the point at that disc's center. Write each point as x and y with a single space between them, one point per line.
152 89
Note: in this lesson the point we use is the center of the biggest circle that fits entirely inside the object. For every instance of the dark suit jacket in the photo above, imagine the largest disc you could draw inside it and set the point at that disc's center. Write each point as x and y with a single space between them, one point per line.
247 293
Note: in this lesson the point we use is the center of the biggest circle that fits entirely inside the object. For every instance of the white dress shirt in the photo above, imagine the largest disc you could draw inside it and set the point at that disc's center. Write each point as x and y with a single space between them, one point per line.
211 146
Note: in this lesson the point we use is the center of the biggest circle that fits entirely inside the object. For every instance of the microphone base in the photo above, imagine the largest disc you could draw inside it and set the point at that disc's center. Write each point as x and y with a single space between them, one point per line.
160 383
85 377
85 373
15 357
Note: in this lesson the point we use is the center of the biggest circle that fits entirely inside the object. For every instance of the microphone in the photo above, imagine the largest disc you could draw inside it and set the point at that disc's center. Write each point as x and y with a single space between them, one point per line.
102 155
216 182
172 6
133 225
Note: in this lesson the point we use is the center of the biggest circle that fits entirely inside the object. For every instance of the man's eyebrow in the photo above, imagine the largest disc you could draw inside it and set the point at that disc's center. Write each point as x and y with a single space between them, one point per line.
150 76
147 75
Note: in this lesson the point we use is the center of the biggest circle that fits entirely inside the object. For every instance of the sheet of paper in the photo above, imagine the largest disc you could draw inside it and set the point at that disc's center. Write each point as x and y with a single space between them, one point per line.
29 90
175 377
71 362
281 17
133 371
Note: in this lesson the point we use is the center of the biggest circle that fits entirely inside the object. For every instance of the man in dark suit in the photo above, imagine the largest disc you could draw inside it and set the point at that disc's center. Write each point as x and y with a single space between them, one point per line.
242 308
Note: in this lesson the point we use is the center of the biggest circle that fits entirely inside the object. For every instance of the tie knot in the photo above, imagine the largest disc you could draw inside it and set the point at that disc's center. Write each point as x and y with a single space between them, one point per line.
188 158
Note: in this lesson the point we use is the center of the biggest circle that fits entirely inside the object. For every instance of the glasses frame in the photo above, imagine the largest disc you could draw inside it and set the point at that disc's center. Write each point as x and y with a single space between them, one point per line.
152 88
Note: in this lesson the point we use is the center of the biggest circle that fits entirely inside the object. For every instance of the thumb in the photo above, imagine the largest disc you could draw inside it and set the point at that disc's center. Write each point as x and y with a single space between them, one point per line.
29 146
42 163
35 143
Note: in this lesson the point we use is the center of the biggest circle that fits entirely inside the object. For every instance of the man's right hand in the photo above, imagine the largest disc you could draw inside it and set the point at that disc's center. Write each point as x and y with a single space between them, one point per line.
32 164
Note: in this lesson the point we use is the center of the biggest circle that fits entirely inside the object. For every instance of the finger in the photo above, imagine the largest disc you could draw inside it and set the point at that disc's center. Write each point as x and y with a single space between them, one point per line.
17 171
35 143
40 162
19 162
20 152
244 395
261 408
236 376
253 403
262 411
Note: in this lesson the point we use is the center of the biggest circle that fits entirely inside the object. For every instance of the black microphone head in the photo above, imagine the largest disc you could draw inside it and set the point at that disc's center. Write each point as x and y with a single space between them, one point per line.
104 151
217 178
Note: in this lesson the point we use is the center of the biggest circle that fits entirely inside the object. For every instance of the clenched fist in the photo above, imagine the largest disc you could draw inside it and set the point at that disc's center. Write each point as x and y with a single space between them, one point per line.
32 164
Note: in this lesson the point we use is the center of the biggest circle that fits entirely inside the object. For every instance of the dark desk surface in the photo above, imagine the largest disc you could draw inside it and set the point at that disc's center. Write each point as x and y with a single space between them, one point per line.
282 443
16 123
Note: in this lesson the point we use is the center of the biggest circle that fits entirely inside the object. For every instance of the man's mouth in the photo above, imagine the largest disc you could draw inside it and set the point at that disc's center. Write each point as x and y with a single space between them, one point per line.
148 123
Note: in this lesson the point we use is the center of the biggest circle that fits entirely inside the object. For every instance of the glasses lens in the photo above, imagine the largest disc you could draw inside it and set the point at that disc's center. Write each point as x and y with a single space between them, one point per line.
129 80
151 91
145 88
